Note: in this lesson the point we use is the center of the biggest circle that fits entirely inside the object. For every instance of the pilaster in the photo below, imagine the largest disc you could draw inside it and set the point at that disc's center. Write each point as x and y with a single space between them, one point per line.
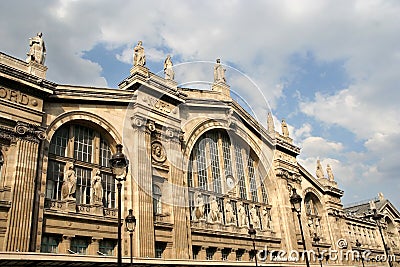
20 214
142 174
181 222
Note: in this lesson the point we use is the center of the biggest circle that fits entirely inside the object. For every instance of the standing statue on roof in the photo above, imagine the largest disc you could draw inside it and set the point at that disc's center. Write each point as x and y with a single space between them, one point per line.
319 172
219 72
37 51
139 58
330 173
168 71
285 130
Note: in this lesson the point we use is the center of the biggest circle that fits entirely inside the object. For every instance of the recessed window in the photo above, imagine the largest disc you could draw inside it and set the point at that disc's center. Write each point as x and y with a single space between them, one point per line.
87 149
49 244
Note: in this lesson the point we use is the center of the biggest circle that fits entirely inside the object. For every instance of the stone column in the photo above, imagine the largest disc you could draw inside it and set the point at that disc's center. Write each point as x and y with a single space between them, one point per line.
180 198
20 214
65 244
142 189
94 246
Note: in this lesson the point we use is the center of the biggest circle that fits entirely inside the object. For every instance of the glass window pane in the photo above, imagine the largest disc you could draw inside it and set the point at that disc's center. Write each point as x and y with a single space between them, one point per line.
82 185
212 139
55 173
83 143
58 145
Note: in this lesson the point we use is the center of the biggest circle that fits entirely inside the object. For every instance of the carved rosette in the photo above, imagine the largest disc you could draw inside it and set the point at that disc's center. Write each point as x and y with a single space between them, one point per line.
158 153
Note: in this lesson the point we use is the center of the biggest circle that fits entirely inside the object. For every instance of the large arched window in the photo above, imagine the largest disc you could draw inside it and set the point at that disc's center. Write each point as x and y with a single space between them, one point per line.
313 211
87 149
223 168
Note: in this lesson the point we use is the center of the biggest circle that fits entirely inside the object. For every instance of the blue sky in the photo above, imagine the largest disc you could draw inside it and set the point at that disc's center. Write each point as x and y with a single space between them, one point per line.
330 68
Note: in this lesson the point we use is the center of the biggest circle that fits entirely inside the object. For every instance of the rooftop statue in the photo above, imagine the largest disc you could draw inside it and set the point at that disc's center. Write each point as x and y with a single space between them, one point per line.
168 71
139 58
270 123
37 51
319 172
219 72
285 130
330 173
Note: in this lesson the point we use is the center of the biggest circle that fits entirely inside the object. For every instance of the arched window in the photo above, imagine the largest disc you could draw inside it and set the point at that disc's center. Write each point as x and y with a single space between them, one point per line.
157 208
217 156
87 149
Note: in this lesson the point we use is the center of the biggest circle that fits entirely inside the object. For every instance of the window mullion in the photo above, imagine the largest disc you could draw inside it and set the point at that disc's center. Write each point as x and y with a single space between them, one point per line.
221 163
71 142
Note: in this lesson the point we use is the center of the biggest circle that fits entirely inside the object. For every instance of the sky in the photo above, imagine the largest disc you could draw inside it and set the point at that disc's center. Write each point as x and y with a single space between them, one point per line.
331 69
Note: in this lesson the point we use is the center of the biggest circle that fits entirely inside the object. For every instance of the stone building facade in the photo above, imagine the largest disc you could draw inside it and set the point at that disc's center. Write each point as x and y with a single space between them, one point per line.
202 170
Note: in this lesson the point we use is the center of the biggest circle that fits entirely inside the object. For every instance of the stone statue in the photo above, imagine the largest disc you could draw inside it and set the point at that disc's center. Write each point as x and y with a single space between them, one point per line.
198 212
168 71
242 218
254 219
270 123
319 172
214 214
37 51
139 58
330 173
229 214
266 218
219 73
285 130
97 188
68 187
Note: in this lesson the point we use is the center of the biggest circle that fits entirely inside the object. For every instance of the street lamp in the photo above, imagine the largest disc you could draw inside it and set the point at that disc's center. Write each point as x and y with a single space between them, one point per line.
316 240
130 222
119 165
358 245
377 217
295 200
252 233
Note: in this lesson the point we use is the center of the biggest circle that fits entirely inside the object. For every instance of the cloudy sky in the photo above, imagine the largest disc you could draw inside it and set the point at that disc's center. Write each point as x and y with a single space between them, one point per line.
330 68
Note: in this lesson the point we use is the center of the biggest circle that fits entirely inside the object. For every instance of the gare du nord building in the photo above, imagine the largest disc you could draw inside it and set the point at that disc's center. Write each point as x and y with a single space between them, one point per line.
201 171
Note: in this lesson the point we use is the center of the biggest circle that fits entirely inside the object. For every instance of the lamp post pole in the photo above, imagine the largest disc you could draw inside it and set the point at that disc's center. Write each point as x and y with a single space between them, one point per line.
316 240
119 186
130 221
119 165
377 218
252 233
358 245
295 200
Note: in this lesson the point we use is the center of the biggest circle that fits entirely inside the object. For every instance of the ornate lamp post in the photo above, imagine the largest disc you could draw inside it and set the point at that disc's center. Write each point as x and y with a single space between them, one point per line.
316 240
252 233
295 200
119 165
130 222
377 217
358 245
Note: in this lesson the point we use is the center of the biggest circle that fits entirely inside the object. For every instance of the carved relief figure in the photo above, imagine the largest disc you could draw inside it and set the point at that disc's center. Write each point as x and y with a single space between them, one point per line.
266 218
139 58
168 71
37 51
68 187
254 219
229 214
198 212
330 173
285 130
97 188
214 215
242 218
219 72
319 172
157 152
